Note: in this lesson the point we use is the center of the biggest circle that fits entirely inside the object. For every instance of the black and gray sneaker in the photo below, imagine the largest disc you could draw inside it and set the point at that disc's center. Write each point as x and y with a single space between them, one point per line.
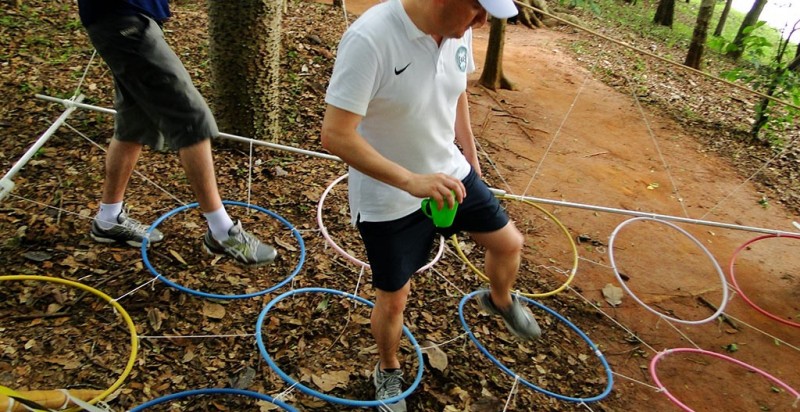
518 318
388 385
127 230
242 246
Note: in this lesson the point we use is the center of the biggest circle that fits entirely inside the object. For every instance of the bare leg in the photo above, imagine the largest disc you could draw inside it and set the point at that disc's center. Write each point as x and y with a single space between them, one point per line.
120 161
198 163
503 251
387 324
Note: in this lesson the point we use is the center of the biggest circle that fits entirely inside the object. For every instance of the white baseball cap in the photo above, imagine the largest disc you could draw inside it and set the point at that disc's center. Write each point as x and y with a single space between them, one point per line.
502 9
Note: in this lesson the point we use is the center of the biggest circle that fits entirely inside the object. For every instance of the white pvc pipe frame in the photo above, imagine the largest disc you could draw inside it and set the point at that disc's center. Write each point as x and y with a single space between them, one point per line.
6 184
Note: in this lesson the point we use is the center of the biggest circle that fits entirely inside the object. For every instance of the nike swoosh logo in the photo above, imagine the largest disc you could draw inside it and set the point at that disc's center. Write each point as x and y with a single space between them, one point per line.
397 72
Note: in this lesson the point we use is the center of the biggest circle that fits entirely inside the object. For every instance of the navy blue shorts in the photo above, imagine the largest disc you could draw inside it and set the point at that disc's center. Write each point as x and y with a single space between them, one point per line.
155 100
398 248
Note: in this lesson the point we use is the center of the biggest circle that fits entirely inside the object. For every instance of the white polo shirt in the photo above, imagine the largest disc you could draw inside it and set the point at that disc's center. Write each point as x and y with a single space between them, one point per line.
406 87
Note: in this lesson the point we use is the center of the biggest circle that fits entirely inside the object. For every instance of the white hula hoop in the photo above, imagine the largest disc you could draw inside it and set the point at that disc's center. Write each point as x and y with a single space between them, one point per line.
696 242
348 256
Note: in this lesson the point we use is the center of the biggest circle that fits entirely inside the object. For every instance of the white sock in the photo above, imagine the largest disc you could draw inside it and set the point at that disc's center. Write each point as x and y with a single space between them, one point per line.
219 223
107 216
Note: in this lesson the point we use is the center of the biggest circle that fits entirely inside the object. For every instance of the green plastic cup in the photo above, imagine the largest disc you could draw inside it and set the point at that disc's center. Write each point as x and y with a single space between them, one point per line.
441 217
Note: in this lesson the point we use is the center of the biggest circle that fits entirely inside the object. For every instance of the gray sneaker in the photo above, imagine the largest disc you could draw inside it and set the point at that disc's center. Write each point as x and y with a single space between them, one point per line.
127 230
518 318
242 246
388 385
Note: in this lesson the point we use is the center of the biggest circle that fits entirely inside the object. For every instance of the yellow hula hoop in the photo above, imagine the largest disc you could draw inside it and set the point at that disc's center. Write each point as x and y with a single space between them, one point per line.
116 306
460 253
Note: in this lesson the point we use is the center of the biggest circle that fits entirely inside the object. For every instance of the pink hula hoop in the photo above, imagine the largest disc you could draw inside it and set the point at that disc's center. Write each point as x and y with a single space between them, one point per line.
717 355
741 292
348 256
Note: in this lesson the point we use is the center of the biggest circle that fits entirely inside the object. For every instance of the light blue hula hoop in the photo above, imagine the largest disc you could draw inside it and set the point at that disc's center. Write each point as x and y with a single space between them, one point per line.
220 296
211 391
511 373
308 391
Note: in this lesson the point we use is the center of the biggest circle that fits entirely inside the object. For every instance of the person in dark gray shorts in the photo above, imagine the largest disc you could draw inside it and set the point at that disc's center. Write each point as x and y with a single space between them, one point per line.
157 104
397 105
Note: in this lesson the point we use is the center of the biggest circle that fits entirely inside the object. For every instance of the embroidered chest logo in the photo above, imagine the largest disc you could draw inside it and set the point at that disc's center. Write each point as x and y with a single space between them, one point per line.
461 58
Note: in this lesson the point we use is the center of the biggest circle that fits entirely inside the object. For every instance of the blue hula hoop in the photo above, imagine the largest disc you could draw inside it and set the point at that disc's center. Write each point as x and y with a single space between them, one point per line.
211 391
308 391
215 295
511 373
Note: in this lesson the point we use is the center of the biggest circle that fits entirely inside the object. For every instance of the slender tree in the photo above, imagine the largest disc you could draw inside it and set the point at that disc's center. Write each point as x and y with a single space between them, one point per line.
749 20
695 56
723 18
492 76
665 13
245 60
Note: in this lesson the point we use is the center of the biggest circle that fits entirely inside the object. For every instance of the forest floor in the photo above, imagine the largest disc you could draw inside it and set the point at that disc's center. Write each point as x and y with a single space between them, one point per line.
573 136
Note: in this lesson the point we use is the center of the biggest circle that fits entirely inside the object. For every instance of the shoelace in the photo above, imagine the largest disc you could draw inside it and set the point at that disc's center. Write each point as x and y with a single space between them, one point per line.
246 241
392 385
134 226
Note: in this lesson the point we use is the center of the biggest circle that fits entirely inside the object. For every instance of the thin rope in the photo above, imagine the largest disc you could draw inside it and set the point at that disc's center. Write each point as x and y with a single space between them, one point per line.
558 132
655 388
511 393
138 173
195 336
250 177
775 338
436 345
83 76
781 153
149 282
448 281
652 134
657 57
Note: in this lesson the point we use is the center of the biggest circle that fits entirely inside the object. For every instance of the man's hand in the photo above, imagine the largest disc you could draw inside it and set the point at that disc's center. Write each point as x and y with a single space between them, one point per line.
438 186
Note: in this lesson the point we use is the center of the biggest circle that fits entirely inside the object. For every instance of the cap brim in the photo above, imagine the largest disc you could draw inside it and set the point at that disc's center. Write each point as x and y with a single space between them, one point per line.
502 9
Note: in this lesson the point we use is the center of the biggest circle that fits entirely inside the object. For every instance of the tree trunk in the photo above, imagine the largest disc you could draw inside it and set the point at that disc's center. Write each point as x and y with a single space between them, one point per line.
245 61
723 18
749 20
665 13
492 76
530 18
695 56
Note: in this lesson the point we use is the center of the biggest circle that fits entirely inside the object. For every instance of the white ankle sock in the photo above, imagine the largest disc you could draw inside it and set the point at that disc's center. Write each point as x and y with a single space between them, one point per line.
219 223
107 216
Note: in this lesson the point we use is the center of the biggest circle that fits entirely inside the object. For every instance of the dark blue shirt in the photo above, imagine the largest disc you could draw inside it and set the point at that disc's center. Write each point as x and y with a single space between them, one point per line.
92 10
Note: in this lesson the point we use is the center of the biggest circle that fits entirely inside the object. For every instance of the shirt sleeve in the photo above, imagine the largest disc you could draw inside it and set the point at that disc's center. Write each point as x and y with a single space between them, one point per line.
355 75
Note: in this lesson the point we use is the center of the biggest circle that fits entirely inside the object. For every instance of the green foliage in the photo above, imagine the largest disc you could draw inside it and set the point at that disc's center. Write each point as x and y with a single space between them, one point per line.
590 4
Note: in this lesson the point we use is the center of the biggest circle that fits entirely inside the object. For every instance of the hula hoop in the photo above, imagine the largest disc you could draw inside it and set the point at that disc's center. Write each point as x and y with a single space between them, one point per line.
741 292
572 272
222 296
721 305
212 391
504 368
308 391
675 400
117 307
344 253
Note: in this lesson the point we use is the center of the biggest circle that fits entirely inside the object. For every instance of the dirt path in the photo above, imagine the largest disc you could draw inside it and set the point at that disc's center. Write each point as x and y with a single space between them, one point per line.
564 136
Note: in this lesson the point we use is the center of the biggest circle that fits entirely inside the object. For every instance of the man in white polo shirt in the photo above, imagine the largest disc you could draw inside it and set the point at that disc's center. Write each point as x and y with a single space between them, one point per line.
397 103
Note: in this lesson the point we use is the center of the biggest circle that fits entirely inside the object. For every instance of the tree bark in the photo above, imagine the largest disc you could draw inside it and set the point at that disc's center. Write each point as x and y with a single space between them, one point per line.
749 20
723 18
665 13
695 56
492 76
245 61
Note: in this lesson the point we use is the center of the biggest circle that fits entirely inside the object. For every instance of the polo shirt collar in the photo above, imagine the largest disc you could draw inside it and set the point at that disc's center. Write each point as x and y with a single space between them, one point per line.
412 31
